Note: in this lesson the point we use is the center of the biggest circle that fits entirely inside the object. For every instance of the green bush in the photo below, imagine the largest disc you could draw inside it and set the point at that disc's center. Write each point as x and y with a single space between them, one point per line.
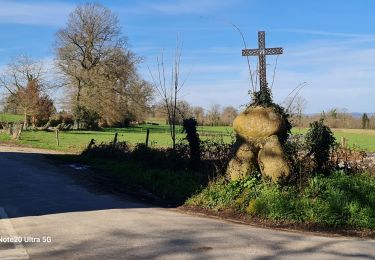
222 194
338 200
320 140
190 128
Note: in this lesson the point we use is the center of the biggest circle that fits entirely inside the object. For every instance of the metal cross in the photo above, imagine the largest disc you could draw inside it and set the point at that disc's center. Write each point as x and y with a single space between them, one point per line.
261 52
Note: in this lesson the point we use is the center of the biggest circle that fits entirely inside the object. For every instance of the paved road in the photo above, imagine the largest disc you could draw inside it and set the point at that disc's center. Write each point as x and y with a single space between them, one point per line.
39 201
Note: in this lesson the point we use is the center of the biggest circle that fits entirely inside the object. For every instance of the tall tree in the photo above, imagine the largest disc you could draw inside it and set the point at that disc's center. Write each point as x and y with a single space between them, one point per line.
97 64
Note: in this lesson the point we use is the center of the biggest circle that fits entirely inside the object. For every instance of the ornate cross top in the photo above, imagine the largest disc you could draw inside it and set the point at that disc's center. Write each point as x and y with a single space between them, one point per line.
261 52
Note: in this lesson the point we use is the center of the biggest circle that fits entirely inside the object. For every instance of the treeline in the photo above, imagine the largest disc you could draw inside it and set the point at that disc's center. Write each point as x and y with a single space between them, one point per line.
213 116
336 118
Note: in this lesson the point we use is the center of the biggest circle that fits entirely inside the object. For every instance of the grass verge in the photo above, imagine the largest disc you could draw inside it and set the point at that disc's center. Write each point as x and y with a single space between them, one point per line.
339 201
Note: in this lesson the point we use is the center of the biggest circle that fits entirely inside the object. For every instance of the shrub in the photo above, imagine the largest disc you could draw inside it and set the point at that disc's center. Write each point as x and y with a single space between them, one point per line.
190 128
89 119
320 141
107 150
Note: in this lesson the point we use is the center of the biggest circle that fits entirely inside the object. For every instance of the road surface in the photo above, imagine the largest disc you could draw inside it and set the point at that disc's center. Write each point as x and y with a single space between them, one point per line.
50 215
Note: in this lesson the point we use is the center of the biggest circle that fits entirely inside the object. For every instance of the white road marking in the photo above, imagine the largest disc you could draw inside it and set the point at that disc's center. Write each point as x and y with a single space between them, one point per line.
9 254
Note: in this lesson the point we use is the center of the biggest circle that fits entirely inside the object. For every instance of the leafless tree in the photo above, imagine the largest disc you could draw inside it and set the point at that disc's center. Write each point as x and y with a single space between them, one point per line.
213 115
296 106
93 56
228 115
26 86
198 113
169 92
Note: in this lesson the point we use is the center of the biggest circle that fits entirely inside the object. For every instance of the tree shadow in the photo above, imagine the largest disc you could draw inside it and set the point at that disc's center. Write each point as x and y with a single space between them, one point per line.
31 185
209 239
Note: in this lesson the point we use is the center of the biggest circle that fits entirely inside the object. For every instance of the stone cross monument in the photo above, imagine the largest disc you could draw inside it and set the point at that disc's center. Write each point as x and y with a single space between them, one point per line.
258 129
261 52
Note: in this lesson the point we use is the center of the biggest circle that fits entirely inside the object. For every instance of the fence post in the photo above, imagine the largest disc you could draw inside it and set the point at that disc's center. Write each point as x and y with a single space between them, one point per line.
343 142
57 137
92 142
147 135
115 139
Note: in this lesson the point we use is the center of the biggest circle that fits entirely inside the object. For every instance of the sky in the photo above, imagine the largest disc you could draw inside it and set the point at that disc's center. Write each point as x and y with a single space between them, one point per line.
330 45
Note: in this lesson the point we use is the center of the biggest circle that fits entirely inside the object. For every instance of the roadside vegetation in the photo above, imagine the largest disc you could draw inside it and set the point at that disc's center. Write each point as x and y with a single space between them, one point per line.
325 191
340 200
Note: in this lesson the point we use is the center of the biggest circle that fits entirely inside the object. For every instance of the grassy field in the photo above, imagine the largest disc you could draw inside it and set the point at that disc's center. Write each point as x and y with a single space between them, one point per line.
75 141
10 118
359 138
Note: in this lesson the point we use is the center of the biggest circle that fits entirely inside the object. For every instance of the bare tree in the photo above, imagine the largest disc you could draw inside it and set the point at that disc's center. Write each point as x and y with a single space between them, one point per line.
26 87
198 113
169 93
295 107
184 111
97 64
213 115
228 115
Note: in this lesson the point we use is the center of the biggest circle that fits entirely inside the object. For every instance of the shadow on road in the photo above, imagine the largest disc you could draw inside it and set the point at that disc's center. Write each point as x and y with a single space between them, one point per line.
31 185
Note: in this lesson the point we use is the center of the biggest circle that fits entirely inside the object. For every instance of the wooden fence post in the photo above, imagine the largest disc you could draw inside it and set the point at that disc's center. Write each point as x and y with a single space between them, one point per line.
115 139
147 136
92 142
57 137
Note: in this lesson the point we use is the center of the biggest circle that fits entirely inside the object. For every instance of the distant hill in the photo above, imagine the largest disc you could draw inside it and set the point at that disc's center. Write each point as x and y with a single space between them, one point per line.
353 114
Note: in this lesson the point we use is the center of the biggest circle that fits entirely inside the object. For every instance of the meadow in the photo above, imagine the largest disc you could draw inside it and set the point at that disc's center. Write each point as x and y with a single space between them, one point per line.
10 118
76 141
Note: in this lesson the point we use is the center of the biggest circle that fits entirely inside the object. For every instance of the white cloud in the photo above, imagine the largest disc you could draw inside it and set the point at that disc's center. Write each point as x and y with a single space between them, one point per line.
339 73
34 13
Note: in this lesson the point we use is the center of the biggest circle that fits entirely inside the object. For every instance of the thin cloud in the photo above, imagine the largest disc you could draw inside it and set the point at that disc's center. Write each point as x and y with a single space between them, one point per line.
327 33
180 7
34 13
339 74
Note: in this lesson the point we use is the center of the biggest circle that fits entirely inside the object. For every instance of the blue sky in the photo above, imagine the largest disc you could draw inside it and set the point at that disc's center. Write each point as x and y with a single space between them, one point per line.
328 44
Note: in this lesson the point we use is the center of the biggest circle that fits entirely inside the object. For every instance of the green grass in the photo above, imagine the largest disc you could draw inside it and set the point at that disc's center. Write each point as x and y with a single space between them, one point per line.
4 138
336 201
11 118
75 141
359 138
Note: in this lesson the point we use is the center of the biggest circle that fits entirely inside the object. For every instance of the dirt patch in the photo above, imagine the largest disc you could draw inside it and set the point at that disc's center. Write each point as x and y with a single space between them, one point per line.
311 228
24 149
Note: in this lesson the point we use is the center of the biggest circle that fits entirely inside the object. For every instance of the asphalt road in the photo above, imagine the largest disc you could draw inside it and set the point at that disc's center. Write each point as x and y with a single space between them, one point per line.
49 215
